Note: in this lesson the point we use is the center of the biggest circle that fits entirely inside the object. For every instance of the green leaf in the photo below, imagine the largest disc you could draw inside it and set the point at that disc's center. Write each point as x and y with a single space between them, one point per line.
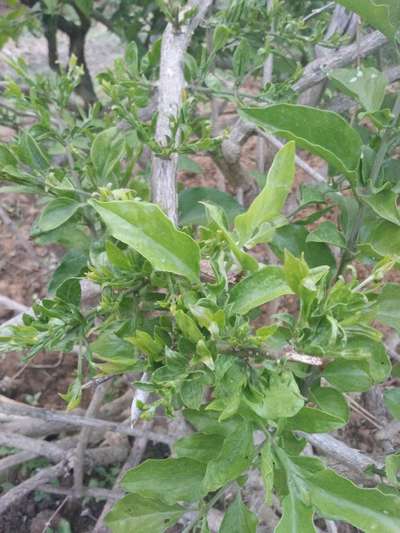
145 515
385 238
57 212
384 203
220 37
293 237
171 480
70 291
208 422
312 420
242 58
192 211
328 233
364 84
281 398
392 402
31 154
71 266
216 214
145 228
238 519
348 376
367 509
270 201
188 326
296 517
109 347
384 15
234 458
331 401
199 446
267 471
258 289
323 133
106 152
392 467
131 57
388 306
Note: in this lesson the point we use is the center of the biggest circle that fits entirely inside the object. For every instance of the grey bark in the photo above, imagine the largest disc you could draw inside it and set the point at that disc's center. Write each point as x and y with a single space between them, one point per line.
175 42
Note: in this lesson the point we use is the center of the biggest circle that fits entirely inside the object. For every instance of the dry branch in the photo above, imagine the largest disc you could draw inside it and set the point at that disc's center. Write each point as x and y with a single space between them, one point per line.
57 416
101 456
79 455
314 73
352 459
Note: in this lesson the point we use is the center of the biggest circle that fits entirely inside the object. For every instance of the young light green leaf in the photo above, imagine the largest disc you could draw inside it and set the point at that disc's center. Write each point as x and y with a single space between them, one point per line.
270 201
384 15
365 84
367 509
238 518
147 515
171 480
323 133
258 289
145 228
57 212
328 233
216 214
234 458
296 518
106 152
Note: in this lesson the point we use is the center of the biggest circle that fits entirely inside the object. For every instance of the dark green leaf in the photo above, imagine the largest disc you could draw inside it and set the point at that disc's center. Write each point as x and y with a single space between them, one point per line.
192 211
199 446
328 233
323 133
106 152
258 288
297 517
235 457
71 266
171 480
57 212
392 402
388 306
367 509
144 515
238 519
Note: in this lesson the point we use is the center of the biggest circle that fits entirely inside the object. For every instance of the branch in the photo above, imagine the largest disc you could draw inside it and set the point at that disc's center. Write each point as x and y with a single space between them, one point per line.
318 70
15 408
351 458
101 456
79 455
314 73
175 42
